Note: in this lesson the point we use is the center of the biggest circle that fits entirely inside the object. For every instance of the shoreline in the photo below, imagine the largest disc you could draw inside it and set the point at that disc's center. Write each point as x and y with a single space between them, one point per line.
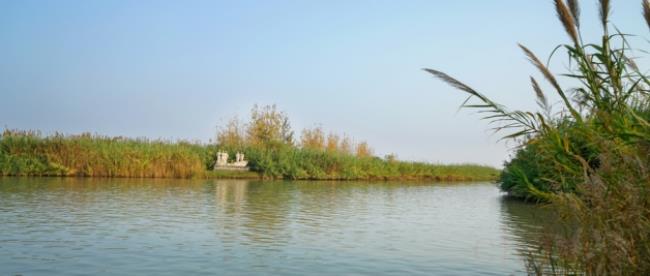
257 176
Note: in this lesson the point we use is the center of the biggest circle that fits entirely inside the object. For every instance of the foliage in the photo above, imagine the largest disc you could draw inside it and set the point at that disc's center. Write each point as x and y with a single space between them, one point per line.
334 143
29 153
591 158
232 135
363 150
345 146
268 126
320 157
610 106
297 163
313 139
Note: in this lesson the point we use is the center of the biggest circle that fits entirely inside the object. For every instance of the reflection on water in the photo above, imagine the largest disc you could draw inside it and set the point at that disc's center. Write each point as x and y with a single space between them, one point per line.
171 227
525 222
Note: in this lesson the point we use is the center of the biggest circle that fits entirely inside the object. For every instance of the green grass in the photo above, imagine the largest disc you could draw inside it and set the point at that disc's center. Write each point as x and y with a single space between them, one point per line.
295 163
24 153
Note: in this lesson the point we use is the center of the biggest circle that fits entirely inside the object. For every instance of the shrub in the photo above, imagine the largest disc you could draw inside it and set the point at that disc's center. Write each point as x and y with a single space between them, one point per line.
591 158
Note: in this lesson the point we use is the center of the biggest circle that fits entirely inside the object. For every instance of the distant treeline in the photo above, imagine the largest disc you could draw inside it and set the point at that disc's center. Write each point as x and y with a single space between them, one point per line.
266 140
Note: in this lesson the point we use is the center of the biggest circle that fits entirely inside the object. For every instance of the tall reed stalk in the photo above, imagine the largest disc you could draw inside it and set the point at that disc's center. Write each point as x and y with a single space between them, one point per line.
591 157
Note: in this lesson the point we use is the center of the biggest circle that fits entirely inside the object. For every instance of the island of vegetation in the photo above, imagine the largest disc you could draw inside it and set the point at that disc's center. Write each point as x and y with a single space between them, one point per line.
591 158
267 141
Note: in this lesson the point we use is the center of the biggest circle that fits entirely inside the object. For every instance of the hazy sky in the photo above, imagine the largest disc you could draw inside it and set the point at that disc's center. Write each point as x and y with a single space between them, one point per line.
177 69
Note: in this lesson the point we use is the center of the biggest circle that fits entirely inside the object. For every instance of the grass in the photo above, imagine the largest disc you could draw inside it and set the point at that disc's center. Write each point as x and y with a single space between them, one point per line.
590 159
268 143
296 163
28 153
25 153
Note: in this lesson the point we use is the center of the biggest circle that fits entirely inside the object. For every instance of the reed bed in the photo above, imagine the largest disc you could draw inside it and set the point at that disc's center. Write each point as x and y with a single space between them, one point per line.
590 159
267 141
296 163
28 153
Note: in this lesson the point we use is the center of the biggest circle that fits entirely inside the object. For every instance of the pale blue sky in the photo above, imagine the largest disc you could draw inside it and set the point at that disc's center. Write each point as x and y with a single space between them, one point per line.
177 69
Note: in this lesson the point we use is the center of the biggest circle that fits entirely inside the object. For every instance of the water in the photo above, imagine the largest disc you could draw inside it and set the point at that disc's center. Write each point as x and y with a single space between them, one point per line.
70 226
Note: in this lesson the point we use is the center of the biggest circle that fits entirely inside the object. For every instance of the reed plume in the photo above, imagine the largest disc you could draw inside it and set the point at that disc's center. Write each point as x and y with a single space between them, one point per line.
454 83
551 79
604 12
521 121
575 11
568 20
541 98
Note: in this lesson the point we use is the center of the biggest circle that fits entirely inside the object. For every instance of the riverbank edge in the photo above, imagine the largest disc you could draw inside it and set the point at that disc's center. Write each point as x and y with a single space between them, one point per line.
250 175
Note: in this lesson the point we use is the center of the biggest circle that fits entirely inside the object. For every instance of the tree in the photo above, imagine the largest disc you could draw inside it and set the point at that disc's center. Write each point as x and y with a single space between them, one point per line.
268 127
232 135
313 139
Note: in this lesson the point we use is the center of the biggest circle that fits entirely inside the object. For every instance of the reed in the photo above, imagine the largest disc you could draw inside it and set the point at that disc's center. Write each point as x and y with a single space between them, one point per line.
318 157
296 163
28 153
590 159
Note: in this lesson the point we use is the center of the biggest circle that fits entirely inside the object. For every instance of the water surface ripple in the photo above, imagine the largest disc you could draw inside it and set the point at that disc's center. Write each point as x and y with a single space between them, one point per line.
54 226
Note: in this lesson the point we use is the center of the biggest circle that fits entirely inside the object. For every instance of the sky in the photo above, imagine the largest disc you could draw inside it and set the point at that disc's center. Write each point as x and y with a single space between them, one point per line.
179 69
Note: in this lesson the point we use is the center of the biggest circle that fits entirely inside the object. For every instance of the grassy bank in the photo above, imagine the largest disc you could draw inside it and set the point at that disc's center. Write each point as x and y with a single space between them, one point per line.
591 158
297 163
24 153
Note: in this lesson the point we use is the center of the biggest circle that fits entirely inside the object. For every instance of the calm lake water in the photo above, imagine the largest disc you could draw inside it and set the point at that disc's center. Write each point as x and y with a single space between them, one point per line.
71 226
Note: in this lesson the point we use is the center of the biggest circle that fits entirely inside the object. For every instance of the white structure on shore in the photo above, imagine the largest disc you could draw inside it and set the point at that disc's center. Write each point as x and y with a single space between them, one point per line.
240 163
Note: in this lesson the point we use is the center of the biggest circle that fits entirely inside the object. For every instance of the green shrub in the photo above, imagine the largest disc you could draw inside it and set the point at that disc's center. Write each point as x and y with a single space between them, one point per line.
591 159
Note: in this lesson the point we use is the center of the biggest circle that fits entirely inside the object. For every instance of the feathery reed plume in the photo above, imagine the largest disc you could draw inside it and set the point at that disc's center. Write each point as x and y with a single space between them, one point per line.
646 11
454 82
461 86
567 20
549 76
495 112
575 11
604 12
541 98
541 67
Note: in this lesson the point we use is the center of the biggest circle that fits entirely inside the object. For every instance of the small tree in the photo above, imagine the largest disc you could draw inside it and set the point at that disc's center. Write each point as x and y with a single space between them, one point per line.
268 126
232 135
313 139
